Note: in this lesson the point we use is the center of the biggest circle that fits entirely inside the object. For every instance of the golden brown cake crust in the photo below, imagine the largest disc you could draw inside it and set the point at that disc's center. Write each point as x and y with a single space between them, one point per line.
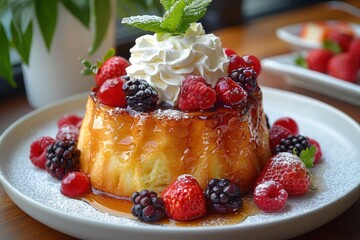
123 152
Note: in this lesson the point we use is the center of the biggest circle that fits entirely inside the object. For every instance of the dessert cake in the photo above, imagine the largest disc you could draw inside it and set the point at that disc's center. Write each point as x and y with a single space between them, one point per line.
186 106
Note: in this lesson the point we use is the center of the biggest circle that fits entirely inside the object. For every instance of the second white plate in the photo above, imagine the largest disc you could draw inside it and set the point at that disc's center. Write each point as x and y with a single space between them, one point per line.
312 80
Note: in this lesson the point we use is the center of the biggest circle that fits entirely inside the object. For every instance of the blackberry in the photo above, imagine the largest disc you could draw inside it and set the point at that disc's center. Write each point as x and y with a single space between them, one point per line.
246 77
148 207
222 196
62 157
140 96
293 141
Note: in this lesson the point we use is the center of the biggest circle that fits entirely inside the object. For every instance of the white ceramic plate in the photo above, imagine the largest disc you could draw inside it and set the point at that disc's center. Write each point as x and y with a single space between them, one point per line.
338 179
312 80
290 34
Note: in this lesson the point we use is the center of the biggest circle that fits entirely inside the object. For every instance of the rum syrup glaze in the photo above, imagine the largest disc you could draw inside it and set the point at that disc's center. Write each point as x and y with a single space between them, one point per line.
120 206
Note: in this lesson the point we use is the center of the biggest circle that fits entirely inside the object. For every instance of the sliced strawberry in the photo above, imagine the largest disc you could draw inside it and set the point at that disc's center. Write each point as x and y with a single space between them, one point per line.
38 150
184 199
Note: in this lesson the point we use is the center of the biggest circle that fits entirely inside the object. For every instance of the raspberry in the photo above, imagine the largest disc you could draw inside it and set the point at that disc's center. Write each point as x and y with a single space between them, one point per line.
147 206
195 94
318 154
68 132
75 184
62 157
38 150
246 77
111 93
276 133
288 123
70 120
222 196
229 92
140 96
270 196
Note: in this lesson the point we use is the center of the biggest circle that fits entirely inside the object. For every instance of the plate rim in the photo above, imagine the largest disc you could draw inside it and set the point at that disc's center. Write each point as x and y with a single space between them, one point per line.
14 192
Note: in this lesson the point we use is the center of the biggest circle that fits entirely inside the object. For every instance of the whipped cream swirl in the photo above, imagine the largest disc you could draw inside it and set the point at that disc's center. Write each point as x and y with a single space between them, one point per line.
164 60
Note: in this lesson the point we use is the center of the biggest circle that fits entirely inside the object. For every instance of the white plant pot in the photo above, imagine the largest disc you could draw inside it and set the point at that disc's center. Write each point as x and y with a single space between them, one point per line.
55 74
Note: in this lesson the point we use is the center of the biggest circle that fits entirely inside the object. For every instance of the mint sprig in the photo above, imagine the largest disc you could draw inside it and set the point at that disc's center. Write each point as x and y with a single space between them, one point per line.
176 20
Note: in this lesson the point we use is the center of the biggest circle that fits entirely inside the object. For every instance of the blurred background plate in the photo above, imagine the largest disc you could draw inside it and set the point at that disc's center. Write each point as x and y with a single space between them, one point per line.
312 80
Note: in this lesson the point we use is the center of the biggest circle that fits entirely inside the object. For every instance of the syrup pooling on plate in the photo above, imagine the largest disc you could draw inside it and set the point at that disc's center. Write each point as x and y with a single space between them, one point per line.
120 206
124 151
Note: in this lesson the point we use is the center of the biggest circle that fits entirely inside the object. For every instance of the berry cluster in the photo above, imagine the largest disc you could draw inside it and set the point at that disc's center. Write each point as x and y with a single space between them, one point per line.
340 55
115 89
147 206
286 173
60 156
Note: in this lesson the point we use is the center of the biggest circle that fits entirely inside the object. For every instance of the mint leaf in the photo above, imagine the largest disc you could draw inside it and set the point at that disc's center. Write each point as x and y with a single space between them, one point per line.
193 12
173 17
5 64
308 156
167 4
46 12
100 13
145 22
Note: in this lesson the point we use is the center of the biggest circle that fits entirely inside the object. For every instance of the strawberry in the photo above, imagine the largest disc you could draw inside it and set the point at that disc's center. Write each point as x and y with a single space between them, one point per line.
316 60
290 171
343 66
270 196
354 50
229 92
276 133
195 94
69 119
184 199
228 52
111 93
110 67
288 123
38 150
342 39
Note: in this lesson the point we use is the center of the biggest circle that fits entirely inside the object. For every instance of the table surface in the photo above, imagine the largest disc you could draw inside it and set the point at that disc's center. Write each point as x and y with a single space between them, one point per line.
257 38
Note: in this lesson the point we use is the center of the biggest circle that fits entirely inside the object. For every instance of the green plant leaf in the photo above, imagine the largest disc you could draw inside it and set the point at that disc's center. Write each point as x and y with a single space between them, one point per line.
3 6
173 17
300 61
332 46
100 18
46 12
22 13
144 22
22 41
5 64
79 9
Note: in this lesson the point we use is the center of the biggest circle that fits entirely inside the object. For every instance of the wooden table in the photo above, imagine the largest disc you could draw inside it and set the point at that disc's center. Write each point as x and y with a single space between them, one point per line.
257 38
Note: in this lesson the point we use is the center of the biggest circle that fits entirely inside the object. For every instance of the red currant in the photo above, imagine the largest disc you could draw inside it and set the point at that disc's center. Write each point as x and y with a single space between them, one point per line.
235 63
111 93
74 184
288 123
254 62
229 52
